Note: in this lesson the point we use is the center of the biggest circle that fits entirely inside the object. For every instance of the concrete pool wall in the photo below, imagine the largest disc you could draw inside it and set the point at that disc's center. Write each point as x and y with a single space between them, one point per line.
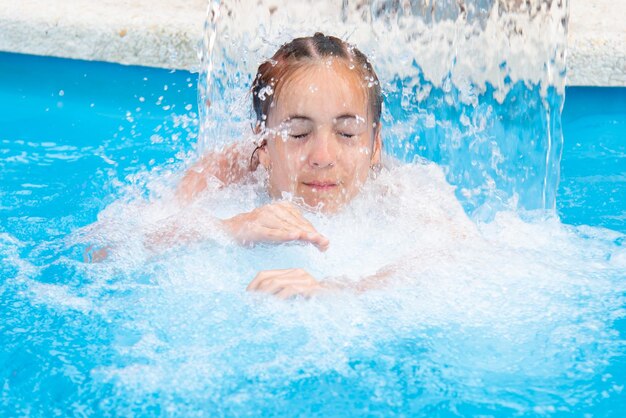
166 33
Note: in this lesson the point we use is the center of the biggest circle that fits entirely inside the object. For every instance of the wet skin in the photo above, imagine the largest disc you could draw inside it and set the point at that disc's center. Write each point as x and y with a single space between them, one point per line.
321 142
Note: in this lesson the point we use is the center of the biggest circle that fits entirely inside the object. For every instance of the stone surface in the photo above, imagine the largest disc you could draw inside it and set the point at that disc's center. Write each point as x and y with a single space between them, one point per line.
167 33
597 43
159 33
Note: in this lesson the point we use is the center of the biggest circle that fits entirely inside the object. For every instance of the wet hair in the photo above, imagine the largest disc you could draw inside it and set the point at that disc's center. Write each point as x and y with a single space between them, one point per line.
274 73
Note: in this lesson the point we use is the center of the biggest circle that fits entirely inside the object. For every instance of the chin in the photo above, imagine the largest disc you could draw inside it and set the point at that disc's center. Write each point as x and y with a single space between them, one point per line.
327 206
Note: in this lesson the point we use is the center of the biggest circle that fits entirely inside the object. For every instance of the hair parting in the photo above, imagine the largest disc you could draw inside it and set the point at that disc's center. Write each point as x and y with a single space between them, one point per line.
273 73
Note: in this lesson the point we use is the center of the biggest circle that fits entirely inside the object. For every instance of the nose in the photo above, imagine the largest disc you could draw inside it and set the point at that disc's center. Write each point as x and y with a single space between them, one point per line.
323 151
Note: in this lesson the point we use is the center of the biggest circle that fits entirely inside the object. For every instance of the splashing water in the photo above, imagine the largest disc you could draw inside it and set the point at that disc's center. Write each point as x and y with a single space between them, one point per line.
507 317
475 86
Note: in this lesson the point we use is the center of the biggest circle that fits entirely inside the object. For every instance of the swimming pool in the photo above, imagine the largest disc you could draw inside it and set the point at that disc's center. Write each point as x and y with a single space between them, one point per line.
168 337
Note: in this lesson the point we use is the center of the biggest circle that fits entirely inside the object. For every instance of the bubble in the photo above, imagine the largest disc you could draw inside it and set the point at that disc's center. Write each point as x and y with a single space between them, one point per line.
509 299
265 92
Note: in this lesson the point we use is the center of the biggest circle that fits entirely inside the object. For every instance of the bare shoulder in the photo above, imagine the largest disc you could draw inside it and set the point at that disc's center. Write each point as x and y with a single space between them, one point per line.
229 165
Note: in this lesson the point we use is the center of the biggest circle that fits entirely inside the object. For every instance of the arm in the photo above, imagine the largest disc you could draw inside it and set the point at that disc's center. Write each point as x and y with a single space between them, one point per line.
190 225
288 283
230 165
274 223
297 282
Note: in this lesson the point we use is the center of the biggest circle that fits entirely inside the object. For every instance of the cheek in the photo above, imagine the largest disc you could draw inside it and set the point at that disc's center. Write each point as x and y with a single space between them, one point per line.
286 161
359 163
358 157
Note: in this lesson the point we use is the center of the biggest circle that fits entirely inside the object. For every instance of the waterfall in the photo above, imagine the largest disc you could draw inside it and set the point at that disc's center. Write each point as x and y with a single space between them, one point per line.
476 86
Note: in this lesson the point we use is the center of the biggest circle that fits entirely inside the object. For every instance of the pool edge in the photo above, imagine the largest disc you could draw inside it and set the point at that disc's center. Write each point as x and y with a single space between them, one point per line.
166 34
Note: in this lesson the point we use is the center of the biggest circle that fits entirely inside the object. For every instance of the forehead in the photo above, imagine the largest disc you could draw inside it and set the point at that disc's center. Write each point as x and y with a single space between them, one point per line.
324 88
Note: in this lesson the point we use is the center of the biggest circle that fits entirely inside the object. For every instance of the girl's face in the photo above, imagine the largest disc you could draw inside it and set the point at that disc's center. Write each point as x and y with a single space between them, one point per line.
321 141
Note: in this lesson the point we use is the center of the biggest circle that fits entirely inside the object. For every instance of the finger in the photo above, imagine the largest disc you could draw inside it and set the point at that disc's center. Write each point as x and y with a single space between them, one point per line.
273 235
275 284
295 222
267 234
291 277
296 233
87 254
290 216
313 235
315 238
297 217
92 254
264 275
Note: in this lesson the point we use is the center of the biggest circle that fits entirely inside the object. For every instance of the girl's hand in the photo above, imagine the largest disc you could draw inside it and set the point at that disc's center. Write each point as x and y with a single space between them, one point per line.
285 284
293 282
274 223
93 254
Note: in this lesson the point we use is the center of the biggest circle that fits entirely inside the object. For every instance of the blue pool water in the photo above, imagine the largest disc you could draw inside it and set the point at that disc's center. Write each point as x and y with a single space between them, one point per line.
151 337
93 109
592 190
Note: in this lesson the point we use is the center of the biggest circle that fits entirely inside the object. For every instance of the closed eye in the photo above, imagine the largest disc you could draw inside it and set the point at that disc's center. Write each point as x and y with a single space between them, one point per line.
349 126
302 135
347 135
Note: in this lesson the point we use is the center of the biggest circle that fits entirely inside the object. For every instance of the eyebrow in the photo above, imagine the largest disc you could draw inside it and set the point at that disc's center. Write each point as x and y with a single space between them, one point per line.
347 116
297 117
308 119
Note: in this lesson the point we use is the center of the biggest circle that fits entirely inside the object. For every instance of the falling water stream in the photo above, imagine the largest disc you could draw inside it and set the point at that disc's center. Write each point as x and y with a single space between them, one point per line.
495 307
475 86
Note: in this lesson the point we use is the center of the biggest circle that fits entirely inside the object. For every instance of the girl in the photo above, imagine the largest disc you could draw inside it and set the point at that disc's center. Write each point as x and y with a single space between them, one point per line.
318 104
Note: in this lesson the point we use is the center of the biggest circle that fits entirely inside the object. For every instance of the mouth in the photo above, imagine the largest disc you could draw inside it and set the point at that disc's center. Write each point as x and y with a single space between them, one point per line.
320 185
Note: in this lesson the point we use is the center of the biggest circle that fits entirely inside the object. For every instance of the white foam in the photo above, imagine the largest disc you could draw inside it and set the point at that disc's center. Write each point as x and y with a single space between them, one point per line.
532 303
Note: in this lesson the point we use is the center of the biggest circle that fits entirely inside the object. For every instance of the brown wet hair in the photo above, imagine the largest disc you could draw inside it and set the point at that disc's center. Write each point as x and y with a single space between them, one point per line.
273 73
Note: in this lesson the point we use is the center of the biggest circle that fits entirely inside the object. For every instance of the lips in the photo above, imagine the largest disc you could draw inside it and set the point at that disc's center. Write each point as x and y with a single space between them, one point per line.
321 185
